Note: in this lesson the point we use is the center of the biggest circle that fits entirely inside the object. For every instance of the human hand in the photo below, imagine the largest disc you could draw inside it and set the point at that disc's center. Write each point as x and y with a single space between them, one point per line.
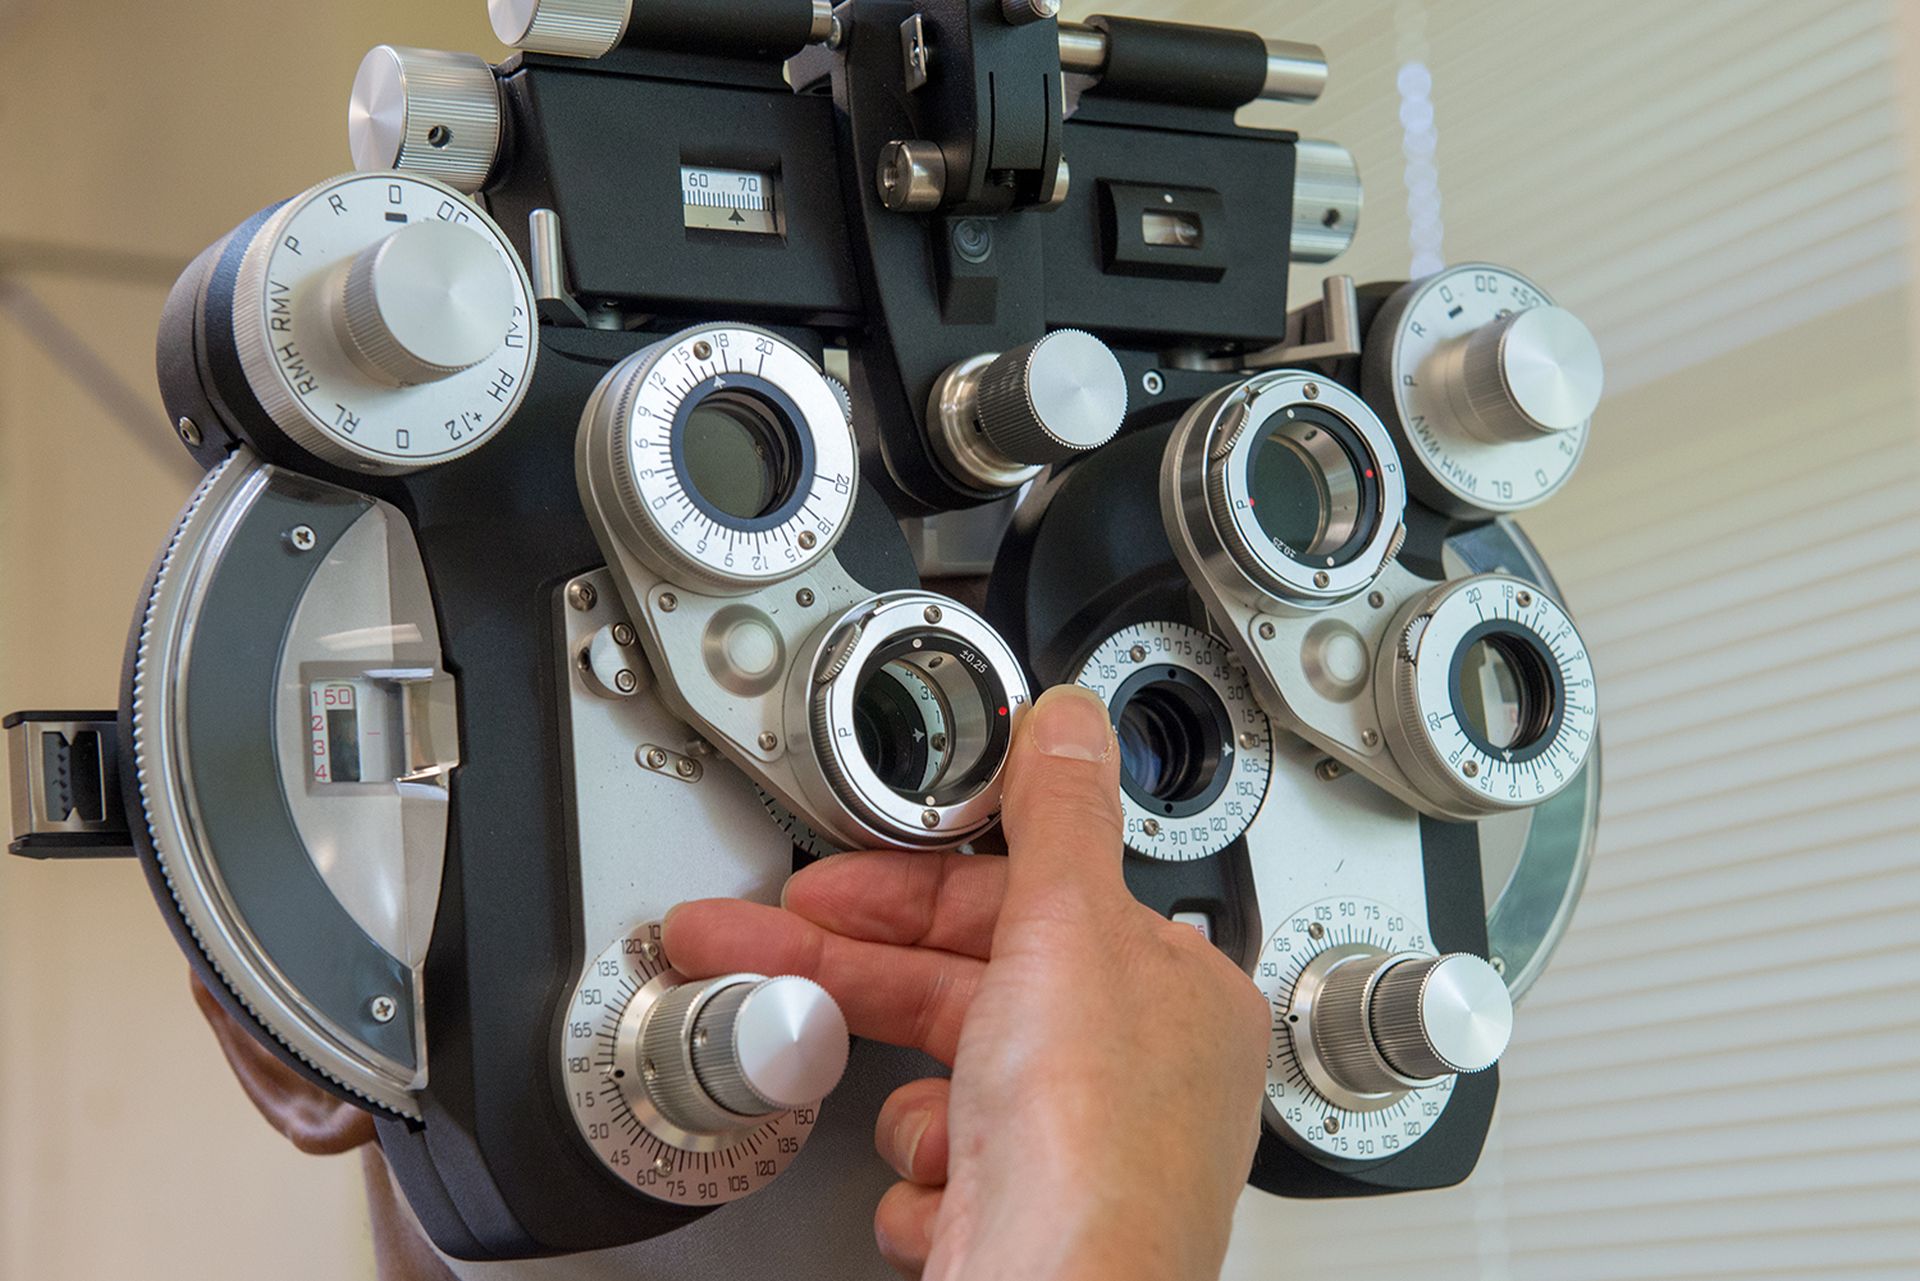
1107 1063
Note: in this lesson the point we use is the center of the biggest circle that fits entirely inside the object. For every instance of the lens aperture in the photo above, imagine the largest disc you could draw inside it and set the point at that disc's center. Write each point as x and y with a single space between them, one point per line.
930 724
1506 692
1171 742
1307 487
741 454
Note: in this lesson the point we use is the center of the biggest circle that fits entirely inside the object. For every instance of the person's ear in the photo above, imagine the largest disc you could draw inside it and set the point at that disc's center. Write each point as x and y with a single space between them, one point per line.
312 1120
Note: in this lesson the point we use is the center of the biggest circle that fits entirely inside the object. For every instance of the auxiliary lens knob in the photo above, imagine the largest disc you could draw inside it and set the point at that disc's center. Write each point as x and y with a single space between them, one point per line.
1529 374
1388 1023
427 112
425 303
721 1054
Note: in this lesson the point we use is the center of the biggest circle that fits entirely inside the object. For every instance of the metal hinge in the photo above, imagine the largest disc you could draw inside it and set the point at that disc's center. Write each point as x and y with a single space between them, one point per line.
65 773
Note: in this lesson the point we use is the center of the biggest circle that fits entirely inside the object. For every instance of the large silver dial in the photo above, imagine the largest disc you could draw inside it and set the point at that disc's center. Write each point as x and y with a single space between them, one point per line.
695 1093
1488 386
1196 750
384 322
1486 695
1331 1083
728 455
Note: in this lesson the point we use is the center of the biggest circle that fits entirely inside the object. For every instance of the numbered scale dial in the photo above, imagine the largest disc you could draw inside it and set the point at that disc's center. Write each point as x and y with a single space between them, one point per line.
614 1108
384 323
1488 386
730 456
1305 1104
1196 751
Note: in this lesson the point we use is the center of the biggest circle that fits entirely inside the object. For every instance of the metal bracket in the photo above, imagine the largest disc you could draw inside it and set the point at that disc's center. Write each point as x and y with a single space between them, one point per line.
65 775
547 269
1321 331
916 55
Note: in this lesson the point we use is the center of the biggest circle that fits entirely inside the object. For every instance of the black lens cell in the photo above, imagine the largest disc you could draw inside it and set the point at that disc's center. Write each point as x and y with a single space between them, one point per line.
740 454
1312 486
1176 741
1506 691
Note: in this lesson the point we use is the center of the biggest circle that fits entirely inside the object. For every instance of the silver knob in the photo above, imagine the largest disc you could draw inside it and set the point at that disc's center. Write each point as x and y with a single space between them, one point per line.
425 303
1389 1023
911 176
1046 401
1021 12
1528 374
427 112
575 28
1326 200
719 1054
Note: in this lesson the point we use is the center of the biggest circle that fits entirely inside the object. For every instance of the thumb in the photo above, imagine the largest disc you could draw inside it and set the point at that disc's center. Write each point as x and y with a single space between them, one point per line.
1061 806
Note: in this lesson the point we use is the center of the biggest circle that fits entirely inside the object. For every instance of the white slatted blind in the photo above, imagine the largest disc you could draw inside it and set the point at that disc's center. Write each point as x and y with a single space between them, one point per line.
1720 1074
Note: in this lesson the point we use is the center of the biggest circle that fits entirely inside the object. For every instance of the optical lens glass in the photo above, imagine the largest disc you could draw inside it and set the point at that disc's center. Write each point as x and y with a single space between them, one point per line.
1308 485
741 454
1506 692
932 724
1170 743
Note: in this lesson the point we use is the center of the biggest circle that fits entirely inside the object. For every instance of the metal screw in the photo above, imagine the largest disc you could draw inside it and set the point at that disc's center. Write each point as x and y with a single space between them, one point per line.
662 1165
1248 742
302 538
668 602
581 595
1312 391
650 949
1376 599
1471 769
1138 653
1322 578
807 539
1498 962
1266 631
805 597
1524 600
1328 770
382 1008
625 681
622 634
1315 930
1151 827
686 768
929 818
653 758
1152 383
1333 1125
769 740
703 350
190 432
932 614
1370 738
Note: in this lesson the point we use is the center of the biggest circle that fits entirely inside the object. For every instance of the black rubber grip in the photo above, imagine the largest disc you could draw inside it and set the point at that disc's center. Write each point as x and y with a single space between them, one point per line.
771 29
1174 63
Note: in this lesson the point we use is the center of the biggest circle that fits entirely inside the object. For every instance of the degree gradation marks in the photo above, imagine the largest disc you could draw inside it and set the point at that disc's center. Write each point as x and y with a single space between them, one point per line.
1308 1116
607 1098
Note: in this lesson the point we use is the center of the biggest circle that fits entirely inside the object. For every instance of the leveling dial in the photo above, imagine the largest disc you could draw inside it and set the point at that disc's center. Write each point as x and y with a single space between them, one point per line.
384 323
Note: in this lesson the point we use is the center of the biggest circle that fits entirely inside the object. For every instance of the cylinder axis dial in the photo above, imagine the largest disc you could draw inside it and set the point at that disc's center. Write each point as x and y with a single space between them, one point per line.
384 323
1196 750
722 457
696 1093
1488 386
1486 695
1370 1029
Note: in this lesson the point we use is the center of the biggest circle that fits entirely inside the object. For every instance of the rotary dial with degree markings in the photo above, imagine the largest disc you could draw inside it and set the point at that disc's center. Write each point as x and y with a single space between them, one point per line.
1173 654
1492 411
384 323
610 1103
1299 1109
683 534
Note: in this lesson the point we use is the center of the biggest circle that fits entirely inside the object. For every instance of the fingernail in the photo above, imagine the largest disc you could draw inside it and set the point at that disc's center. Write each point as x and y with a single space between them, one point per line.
1070 721
907 1134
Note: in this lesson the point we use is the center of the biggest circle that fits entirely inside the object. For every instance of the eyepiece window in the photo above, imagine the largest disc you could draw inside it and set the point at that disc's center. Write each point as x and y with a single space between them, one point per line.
741 454
1176 741
931 719
1507 692
1311 487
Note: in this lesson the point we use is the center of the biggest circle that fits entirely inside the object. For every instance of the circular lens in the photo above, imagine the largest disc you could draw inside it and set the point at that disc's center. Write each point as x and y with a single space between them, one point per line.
1305 484
931 726
1170 742
741 454
1506 695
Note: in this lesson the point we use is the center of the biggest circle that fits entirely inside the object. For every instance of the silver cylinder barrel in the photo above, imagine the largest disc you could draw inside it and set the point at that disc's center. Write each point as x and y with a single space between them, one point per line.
1326 200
